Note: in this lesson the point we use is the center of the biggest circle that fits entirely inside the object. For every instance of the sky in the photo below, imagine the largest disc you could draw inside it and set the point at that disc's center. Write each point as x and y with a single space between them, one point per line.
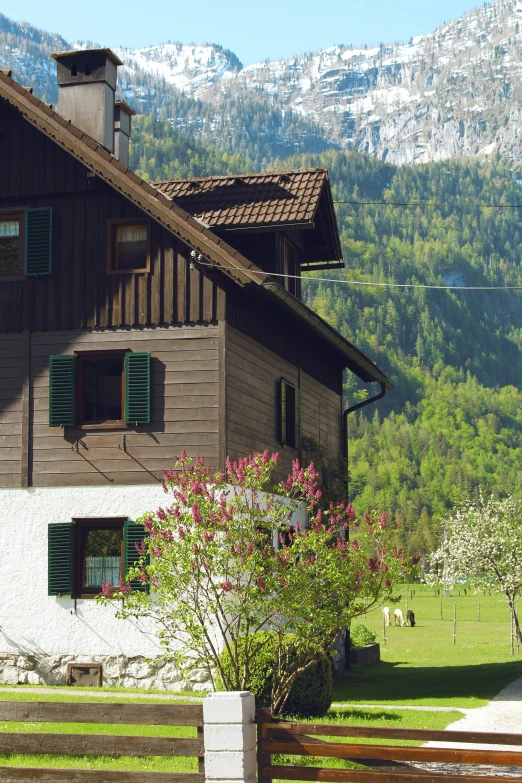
254 31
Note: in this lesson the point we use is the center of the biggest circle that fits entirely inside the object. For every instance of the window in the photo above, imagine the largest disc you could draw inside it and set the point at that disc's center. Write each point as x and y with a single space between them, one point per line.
99 389
99 555
129 249
11 244
290 415
85 553
290 268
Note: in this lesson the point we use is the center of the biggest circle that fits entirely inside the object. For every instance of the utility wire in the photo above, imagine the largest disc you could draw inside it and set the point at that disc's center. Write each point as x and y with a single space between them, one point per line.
427 202
364 282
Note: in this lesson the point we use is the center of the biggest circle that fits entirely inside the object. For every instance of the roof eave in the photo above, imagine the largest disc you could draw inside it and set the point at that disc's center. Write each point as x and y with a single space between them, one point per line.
356 361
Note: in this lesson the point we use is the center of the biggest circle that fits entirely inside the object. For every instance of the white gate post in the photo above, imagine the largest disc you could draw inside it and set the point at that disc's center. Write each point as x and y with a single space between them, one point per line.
230 737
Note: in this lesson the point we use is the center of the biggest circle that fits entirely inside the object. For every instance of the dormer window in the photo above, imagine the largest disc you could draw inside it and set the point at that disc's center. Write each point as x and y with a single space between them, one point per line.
129 246
11 244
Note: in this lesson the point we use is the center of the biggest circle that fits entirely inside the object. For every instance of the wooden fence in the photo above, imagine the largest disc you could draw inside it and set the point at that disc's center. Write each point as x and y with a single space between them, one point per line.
99 744
387 763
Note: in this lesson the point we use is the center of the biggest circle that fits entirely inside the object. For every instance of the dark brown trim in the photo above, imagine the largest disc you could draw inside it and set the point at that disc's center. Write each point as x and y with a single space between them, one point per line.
80 526
15 214
82 357
112 257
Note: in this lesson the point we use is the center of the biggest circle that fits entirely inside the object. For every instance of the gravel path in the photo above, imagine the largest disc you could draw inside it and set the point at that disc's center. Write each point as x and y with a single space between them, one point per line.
502 714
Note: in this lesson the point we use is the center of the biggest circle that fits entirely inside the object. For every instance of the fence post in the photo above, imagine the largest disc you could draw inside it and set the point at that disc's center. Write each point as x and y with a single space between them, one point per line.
230 737
263 716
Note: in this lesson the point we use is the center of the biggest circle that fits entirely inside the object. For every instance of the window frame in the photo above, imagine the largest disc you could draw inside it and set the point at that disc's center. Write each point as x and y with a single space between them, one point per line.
291 284
80 526
15 214
112 259
81 357
296 441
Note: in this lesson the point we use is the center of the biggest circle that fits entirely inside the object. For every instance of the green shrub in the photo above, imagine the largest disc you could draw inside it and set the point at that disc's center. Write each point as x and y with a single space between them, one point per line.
312 692
360 636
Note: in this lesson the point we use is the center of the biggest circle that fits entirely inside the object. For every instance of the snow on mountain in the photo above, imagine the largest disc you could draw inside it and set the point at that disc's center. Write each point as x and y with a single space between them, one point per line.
455 91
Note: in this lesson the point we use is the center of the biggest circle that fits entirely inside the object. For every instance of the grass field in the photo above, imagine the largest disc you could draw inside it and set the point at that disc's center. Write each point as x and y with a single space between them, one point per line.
422 666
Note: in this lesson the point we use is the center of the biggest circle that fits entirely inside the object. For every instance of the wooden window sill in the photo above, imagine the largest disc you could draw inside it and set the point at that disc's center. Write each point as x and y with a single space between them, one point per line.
116 425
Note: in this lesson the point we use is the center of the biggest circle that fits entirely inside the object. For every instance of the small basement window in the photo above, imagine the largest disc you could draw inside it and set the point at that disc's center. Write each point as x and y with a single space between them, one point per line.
99 554
84 674
11 244
101 388
129 247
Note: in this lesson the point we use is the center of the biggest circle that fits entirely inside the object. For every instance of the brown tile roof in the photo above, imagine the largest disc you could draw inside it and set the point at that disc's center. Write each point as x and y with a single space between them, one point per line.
167 213
275 198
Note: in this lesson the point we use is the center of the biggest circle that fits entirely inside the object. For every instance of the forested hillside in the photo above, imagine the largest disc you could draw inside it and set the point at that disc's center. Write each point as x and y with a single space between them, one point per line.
454 419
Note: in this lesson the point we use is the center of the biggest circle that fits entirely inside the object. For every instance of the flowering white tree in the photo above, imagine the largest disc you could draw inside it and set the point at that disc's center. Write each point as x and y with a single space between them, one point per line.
483 543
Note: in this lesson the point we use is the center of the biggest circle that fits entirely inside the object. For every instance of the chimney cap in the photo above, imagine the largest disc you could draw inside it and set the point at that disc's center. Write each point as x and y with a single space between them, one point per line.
75 52
126 108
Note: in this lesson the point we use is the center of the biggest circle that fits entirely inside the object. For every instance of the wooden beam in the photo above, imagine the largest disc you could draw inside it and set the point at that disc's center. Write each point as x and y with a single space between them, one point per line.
63 712
99 745
39 775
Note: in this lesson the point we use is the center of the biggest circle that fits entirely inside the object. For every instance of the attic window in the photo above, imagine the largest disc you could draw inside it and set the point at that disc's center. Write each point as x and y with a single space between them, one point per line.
129 248
74 70
88 70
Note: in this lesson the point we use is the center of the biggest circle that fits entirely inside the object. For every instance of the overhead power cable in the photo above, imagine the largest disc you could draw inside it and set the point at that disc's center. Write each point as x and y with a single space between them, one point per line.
428 203
369 283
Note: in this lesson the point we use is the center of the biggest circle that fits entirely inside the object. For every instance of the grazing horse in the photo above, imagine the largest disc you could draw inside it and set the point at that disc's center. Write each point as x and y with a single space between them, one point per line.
386 613
399 617
410 618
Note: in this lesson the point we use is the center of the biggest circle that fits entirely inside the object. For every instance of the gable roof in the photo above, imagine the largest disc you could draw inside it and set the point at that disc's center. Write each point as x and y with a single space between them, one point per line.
276 199
229 261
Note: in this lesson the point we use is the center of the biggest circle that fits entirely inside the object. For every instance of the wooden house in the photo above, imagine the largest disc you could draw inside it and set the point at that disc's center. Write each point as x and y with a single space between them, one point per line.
137 320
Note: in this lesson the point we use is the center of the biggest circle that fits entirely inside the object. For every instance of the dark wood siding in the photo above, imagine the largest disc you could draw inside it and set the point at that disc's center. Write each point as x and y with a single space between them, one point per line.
36 172
11 385
252 402
278 331
185 408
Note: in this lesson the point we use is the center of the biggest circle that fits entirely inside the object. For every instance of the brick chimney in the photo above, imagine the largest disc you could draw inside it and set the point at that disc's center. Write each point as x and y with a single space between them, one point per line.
86 96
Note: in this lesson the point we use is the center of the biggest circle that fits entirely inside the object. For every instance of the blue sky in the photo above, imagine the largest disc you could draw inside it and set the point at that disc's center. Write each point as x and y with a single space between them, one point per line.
254 31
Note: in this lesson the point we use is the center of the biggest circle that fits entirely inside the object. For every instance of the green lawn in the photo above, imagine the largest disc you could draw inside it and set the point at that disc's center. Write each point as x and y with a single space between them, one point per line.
422 666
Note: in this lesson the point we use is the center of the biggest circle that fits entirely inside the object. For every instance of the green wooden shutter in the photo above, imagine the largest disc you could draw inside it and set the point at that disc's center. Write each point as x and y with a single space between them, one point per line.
38 241
133 533
61 391
282 412
137 388
297 418
60 558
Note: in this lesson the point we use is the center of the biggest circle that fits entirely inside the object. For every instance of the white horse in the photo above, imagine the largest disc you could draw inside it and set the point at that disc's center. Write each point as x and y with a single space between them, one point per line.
399 617
386 613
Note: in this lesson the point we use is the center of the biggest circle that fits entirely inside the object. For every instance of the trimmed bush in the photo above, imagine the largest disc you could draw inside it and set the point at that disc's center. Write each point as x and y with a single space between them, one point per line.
360 636
311 694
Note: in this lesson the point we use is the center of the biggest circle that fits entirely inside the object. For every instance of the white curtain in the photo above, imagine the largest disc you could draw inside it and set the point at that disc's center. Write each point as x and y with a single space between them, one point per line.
131 234
9 228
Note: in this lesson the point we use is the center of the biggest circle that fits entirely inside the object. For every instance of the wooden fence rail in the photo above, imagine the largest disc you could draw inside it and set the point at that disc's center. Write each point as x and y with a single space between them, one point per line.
99 744
390 763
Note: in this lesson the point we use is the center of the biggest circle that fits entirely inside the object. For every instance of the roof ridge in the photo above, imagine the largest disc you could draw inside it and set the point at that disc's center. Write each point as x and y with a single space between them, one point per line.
217 177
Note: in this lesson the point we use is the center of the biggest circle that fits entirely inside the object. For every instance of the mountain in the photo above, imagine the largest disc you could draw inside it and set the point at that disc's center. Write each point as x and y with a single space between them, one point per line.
455 91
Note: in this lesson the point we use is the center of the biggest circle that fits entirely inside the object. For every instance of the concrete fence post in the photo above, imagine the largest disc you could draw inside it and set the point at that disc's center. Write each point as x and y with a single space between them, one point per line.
230 737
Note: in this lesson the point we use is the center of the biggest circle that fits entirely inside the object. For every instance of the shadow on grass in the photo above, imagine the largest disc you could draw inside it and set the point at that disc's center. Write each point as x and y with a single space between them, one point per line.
390 682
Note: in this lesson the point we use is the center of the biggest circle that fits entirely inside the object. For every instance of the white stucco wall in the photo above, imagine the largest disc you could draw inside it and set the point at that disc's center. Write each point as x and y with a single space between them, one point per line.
33 622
